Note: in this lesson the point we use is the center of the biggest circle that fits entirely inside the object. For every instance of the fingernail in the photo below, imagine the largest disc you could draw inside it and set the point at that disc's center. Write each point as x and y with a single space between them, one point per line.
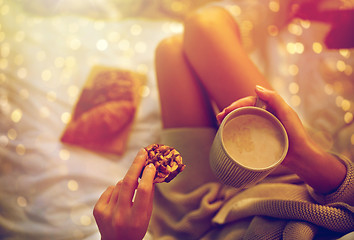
142 151
260 88
150 167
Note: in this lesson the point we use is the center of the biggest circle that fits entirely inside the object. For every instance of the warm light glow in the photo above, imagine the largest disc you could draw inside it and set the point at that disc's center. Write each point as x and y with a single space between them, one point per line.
144 91
345 105
12 134
85 220
74 44
294 48
66 117
46 75
299 47
294 29
73 185
273 30
235 10
348 117
246 25
64 154
102 45
274 6
328 89
339 100
16 115
305 23
317 47
341 66
344 52
294 88
175 27
136 30
293 70
295 101
21 201
20 149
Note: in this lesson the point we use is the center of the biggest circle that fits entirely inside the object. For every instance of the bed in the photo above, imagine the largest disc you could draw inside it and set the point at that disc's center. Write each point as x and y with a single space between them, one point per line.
48 48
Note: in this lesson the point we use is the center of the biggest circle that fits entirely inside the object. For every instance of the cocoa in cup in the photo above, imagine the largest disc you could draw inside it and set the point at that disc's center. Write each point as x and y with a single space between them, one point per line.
250 143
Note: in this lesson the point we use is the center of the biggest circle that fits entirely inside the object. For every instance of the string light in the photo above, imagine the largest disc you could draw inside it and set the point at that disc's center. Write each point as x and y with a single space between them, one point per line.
274 6
317 47
73 185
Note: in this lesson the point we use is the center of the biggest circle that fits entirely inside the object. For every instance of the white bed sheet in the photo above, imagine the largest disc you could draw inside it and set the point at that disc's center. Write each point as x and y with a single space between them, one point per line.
48 189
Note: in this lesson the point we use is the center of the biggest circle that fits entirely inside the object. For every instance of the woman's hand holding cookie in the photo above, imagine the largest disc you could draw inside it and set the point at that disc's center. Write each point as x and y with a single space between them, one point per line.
116 214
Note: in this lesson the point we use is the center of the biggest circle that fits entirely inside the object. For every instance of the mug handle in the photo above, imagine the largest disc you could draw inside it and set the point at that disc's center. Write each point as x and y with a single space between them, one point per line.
260 103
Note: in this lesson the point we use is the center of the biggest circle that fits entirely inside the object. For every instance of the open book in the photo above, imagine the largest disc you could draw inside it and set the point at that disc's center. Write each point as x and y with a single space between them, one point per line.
104 113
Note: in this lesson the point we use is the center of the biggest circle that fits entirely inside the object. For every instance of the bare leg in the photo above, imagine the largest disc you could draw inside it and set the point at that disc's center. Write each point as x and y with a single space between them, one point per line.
213 48
183 100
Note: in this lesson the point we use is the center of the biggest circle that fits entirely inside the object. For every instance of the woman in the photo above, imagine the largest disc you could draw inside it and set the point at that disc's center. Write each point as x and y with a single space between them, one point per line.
203 71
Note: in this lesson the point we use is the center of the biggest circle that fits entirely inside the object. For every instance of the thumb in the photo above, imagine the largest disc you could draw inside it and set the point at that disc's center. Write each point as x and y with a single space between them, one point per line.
264 93
273 100
276 104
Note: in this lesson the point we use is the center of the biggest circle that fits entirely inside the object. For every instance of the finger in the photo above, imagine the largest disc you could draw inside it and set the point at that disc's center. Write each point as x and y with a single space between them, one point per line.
145 189
287 116
103 200
243 102
130 180
274 101
106 195
150 201
115 194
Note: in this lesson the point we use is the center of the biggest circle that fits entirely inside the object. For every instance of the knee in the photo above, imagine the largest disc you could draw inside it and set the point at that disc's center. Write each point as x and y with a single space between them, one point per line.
168 48
207 21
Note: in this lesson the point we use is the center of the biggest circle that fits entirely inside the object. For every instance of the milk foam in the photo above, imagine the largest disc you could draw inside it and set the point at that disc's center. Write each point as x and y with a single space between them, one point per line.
253 141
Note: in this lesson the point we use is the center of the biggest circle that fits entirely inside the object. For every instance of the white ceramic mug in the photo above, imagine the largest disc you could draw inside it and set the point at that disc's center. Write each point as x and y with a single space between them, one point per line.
250 143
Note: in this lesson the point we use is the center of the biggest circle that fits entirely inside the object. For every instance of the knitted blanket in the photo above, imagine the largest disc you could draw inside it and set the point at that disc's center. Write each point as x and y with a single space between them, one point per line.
196 206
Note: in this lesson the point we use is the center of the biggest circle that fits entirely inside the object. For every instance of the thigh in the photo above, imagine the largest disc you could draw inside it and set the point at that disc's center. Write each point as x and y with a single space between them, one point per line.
213 47
183 100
